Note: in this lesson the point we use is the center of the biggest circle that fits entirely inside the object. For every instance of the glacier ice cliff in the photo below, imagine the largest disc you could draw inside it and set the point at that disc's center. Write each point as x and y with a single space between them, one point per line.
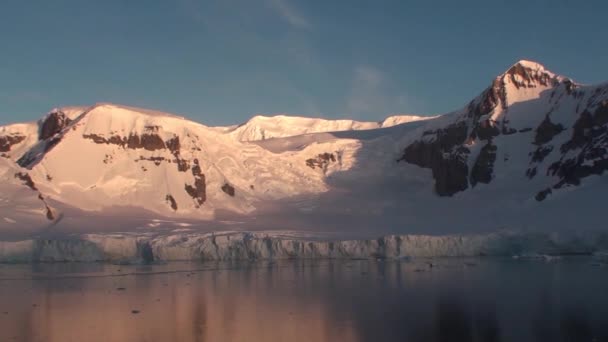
133 248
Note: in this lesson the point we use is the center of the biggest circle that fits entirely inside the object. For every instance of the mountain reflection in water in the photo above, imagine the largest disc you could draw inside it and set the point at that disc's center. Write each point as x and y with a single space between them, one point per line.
334 300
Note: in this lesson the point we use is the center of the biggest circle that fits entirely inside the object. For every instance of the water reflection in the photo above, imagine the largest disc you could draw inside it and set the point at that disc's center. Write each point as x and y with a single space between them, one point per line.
455 300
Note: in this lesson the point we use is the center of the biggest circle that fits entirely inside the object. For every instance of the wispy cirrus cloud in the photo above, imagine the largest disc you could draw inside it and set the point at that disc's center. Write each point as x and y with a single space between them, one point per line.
366 91
372 93
289 14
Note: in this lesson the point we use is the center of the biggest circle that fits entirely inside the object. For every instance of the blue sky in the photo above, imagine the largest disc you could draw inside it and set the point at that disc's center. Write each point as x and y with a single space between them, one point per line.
221 61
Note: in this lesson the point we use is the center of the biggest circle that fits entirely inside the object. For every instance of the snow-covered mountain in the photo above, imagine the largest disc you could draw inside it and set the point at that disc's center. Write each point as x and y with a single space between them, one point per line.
108 155
280 126
530 126
527 154
113 155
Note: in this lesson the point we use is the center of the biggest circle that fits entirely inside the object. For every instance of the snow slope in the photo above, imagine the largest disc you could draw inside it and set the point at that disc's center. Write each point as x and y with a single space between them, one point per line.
22 207
16 139
120 156
280 126
525 158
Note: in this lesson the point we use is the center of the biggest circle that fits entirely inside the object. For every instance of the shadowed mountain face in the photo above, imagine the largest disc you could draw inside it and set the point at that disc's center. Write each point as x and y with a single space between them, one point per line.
527 137
567 122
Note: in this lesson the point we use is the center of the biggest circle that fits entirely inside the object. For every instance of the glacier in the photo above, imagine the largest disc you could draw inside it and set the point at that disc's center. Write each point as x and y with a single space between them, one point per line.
228 246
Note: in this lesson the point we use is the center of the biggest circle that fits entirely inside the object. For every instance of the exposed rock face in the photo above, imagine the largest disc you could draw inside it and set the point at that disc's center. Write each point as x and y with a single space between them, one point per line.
525 77
590 139
490 98
484 165
156 160
321 161
485 130
27 180
228 189
445 156
546 131
54 123
7 141
174 146
147 141
541 153
198 190
544 134
49 213
171 202
150 141
445 151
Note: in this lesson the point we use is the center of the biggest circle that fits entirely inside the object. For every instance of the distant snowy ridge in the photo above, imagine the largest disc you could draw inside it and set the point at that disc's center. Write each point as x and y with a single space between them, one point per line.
280 126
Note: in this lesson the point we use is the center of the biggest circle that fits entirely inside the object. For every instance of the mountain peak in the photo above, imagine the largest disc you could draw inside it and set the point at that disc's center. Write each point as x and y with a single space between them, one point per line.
525 63
126 110
529 74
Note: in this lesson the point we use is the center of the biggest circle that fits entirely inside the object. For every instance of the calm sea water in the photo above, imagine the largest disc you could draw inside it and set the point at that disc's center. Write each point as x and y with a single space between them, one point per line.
483 299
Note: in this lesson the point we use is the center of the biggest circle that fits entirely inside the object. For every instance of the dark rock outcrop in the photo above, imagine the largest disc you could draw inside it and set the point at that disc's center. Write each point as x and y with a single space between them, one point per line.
541 153
27 180
546 131
54 123
490 98
150 142
49 213
321 161
174 146
147 141
590 136
485 130
228 189
445 156
156 160
531 172
198 190
544 134
525 77
483 168
8 141
171 202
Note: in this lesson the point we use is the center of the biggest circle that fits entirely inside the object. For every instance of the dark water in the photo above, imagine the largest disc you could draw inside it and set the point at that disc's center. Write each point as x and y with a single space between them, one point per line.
452 300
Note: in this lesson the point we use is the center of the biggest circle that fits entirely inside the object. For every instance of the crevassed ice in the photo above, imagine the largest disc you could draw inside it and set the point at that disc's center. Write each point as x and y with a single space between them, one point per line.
253 246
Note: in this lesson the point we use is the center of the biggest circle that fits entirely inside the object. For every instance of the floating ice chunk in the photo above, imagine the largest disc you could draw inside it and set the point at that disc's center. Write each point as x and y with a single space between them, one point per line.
536 256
